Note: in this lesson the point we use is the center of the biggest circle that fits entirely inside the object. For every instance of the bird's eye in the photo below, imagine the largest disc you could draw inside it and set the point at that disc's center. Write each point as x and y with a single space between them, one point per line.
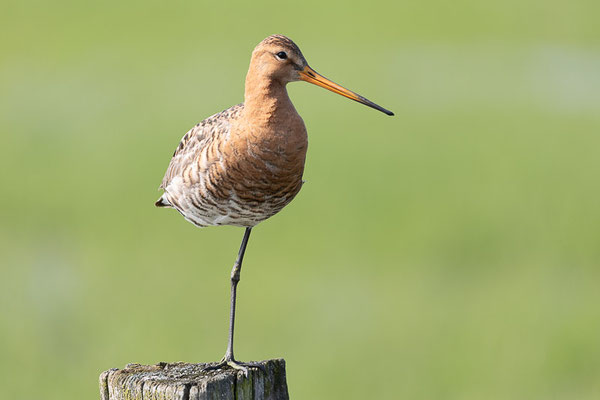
281 55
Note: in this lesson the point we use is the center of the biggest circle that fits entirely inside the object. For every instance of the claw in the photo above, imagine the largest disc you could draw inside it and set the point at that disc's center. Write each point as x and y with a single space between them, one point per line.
239 366
233 364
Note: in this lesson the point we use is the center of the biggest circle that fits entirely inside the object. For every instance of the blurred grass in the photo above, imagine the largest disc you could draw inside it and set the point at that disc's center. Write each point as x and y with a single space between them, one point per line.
451 251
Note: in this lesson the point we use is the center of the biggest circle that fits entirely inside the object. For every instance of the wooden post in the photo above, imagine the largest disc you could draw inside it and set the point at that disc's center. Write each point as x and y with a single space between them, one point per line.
183 381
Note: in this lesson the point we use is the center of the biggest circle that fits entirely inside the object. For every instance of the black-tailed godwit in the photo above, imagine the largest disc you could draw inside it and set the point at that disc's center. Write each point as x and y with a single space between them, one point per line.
243 165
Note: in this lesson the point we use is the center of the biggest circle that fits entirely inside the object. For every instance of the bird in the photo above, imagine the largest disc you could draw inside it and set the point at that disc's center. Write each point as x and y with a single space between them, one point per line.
243 165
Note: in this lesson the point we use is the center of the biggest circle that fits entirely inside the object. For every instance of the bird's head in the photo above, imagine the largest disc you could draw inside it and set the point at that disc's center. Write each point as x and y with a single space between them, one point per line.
278 58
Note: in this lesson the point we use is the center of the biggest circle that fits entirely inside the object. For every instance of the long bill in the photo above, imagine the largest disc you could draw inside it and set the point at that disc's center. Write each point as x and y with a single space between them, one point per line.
311 76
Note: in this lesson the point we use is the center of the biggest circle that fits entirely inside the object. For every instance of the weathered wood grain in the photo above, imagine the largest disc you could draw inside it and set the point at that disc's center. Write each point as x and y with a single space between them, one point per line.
183 381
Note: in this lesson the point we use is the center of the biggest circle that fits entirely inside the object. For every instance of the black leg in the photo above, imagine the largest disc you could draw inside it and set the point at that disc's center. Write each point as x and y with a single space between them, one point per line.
229 359
235 278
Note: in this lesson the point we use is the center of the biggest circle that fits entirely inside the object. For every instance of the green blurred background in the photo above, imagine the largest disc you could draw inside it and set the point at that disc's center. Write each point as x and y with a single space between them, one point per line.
451 251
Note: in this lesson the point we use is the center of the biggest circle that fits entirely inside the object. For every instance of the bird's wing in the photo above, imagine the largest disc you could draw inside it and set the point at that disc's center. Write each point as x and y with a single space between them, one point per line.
212 128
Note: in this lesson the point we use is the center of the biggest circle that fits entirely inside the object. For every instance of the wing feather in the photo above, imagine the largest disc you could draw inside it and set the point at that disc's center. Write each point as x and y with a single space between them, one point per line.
212 128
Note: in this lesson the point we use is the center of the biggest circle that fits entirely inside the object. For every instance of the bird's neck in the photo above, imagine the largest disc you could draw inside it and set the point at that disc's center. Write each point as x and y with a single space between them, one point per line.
266 101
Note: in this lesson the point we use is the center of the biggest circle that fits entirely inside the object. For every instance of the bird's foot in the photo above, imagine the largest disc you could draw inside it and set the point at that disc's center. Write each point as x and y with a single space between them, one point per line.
229 362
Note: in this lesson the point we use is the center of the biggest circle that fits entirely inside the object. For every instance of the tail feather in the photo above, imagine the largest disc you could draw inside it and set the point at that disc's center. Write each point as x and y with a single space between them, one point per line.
162 202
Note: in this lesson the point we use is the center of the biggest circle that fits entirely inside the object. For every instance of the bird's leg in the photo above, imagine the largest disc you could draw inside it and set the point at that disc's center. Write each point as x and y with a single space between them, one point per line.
228 359
235 278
